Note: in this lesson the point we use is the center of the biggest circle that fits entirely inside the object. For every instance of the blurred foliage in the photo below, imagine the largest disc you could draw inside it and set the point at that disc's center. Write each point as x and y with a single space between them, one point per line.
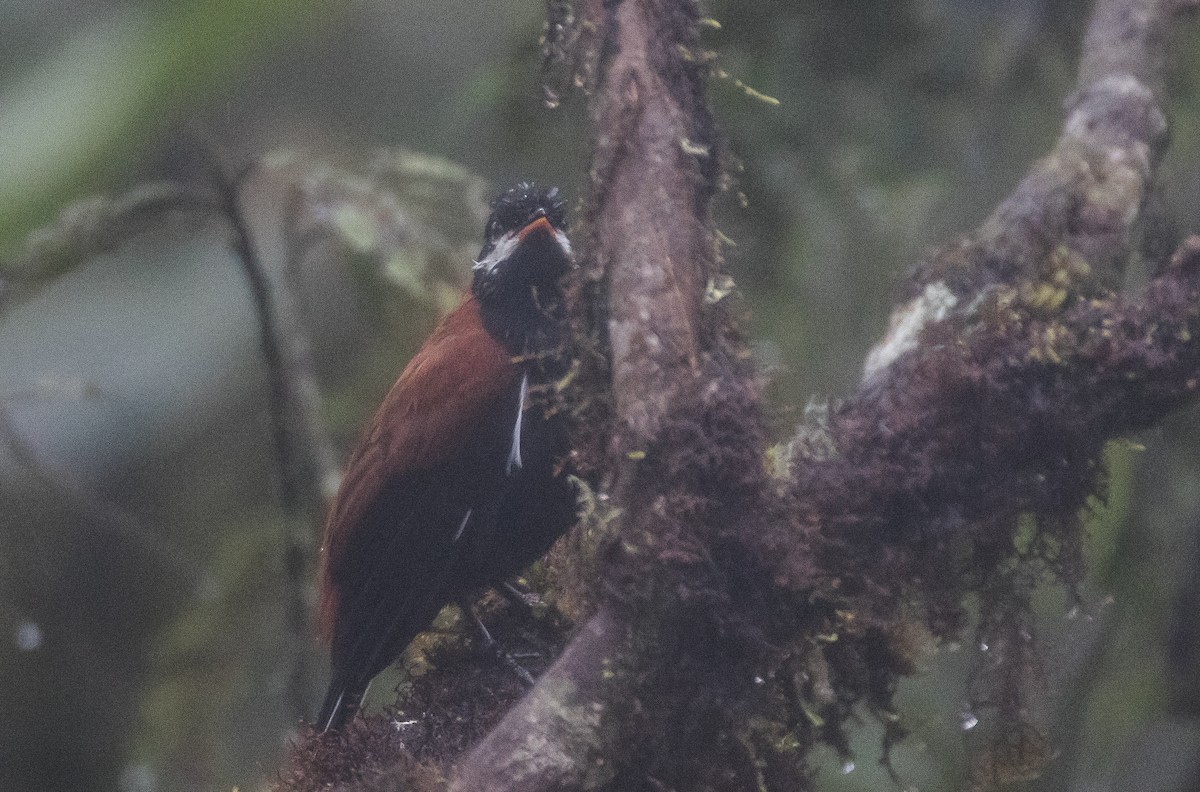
80 114
411 220
899 125
401 220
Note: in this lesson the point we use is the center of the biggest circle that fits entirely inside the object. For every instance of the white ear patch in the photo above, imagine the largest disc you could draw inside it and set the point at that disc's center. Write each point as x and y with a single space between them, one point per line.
514 453
563 242
503 249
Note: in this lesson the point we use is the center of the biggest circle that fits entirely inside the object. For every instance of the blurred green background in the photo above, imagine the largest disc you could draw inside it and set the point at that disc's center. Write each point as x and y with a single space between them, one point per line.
143 602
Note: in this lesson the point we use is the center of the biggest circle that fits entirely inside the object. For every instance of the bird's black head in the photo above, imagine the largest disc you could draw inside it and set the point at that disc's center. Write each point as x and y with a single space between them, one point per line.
524 257
524 241
518 206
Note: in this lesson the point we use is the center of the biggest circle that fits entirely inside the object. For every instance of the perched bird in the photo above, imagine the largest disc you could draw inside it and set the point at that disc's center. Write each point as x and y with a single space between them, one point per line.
461 479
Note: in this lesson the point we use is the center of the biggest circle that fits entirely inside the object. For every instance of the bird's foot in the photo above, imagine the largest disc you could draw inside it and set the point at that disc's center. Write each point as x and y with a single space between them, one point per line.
492 646
525 600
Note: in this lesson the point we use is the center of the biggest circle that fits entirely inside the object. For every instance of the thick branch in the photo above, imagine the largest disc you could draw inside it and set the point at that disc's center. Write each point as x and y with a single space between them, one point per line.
901 445
1007 293
1081 202
649 213
650 240
997 385
553 738
990 397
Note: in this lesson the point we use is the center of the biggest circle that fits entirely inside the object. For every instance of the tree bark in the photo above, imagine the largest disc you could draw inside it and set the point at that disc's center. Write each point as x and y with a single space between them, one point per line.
740 618
1051 255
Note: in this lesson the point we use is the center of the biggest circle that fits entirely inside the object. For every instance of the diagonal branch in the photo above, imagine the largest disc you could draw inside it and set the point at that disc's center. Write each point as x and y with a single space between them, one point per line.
740 621
985 375
986 407
1082 202
916 434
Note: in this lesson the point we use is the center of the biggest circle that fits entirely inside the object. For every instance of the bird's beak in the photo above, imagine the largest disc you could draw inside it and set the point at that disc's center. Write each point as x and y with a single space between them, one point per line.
541 225
541 230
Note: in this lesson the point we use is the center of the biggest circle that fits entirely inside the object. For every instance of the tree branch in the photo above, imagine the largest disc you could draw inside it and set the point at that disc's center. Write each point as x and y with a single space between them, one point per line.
985 376
984 410
1085 197
741 620
650 243
302 448
96 513
554 738
936 444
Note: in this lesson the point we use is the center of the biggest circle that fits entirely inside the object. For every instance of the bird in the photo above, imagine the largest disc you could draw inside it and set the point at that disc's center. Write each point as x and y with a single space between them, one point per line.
462 478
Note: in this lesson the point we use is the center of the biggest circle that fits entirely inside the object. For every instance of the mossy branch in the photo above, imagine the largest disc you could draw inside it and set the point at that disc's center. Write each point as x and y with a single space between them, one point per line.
650 249
948 440
741 618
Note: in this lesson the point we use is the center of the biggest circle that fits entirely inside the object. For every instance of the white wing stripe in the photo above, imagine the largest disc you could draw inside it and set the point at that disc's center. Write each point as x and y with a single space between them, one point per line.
514 454
462 526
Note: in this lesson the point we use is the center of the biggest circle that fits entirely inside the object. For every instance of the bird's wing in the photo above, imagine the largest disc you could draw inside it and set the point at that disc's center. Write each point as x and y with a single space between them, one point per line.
430 411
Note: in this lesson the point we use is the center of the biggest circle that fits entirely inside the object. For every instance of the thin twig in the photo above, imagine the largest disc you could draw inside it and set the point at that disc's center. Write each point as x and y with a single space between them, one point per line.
92 226
322 455
98 514
278 332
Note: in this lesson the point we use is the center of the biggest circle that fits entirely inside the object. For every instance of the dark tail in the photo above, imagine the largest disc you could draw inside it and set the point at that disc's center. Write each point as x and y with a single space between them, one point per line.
341 702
